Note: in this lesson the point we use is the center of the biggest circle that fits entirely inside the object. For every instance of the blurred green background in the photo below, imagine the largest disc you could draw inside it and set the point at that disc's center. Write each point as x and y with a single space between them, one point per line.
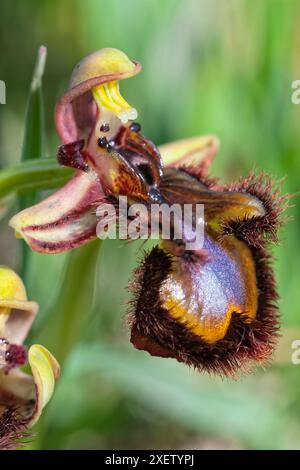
222 67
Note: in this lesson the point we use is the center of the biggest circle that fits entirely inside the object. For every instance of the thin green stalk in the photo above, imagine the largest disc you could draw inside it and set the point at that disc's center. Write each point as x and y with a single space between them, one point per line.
66 321
70 312
34 137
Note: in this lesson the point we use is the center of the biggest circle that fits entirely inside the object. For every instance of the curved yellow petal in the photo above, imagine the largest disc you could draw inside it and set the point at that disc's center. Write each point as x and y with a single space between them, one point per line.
45 370
11 285
193 151
16 312
105 61
75 111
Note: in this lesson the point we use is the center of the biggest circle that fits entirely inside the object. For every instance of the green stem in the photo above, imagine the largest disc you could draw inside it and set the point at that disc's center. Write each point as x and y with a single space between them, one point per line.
71 310
34 138
67 319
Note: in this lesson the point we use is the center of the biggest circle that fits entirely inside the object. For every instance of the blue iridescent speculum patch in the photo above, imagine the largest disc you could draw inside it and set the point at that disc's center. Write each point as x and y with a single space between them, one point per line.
215 310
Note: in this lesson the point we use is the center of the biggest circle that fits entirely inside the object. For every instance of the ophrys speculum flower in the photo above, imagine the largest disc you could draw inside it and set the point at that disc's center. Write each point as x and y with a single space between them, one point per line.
213 307
22 396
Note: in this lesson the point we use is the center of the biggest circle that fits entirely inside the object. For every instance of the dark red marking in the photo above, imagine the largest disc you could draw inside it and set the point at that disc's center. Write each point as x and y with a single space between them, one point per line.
72 155
16 356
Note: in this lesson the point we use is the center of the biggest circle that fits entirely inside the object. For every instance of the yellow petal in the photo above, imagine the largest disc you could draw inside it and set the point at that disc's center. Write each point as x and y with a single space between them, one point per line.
108 96
105 61
45 370
196 150
16 312
11 285
98 68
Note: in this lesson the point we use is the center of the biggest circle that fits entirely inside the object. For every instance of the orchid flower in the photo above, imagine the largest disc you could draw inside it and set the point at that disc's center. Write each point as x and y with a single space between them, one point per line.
22 396
213 308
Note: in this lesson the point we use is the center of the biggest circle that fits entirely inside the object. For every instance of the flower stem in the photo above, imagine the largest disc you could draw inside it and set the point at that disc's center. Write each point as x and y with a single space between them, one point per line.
34 138
73 305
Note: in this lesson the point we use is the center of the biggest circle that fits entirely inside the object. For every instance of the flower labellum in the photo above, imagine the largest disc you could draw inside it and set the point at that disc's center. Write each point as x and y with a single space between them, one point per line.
213 307
22 396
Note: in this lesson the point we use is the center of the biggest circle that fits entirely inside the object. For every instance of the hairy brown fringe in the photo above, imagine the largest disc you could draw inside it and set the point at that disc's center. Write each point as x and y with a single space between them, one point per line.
13 429
199 172
157 332
245 344
258 230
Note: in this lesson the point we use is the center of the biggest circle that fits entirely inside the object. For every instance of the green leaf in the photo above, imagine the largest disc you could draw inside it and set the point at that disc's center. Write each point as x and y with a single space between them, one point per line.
33 143
33 175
